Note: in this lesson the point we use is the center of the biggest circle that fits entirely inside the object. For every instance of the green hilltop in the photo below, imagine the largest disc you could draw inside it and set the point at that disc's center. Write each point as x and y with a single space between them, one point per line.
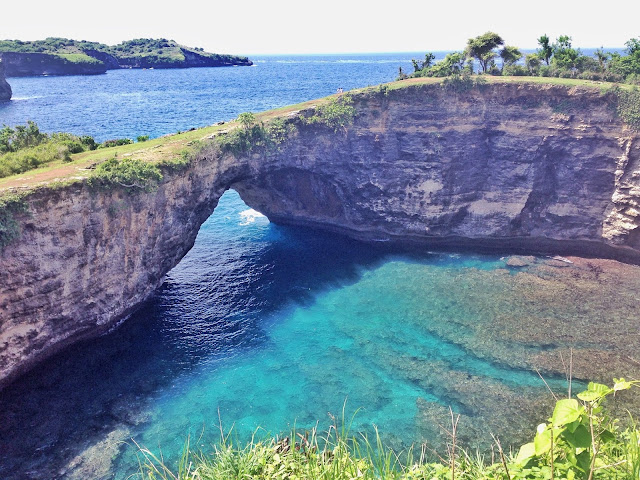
59 56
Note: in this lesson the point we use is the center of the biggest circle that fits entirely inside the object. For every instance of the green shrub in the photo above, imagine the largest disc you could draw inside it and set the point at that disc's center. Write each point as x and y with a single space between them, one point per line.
629 106
115 142
27 159
21 136
128 173
89 142
142 138
336 114
253 136
25 147
10 205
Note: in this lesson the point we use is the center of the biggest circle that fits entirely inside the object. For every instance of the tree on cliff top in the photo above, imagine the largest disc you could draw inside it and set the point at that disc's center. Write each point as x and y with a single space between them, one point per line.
482 48
510 55
545 51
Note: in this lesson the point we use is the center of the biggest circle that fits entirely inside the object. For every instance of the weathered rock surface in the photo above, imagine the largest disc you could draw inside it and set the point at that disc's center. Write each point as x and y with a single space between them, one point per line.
5 88
529 167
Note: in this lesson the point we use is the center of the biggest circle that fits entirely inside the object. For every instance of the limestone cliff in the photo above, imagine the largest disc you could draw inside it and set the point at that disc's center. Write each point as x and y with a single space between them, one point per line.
27 64
5 88
540 168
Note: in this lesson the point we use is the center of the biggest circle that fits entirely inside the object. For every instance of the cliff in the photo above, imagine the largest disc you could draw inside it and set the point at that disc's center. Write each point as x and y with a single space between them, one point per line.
62 56
5 88
27 64
541 168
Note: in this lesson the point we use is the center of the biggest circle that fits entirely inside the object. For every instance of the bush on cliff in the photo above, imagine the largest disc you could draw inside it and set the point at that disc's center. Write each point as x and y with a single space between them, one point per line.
10 205
128 173
336 114
253 136
629 106
25 147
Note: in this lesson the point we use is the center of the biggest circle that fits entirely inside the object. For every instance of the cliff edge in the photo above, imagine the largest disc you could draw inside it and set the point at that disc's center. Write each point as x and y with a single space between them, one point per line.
518 166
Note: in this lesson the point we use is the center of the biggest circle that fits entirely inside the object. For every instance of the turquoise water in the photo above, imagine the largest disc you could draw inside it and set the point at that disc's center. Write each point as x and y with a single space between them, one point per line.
354 341
270 326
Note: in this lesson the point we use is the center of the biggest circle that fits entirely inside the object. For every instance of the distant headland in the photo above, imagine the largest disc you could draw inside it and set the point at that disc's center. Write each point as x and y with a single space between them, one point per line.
62 56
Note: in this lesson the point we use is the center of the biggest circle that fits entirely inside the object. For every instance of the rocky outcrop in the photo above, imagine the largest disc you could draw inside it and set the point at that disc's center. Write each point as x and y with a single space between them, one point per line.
27 64
110 62
95 62
542 168
5 88
529 167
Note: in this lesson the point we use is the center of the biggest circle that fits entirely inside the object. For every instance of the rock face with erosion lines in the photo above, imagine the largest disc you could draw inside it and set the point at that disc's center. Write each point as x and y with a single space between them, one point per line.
5 88
537 168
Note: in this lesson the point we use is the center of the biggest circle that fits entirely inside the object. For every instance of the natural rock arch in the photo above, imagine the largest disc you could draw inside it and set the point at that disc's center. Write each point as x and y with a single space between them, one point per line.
540 168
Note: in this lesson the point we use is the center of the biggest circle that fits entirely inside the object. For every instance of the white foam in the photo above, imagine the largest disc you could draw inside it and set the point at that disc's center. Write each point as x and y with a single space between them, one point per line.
249 216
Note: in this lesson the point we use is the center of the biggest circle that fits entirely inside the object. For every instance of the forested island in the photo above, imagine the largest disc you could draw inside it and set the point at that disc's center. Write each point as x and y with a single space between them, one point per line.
62 56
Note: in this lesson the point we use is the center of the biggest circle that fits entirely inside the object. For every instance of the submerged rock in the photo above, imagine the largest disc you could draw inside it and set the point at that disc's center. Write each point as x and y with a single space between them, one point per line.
519 261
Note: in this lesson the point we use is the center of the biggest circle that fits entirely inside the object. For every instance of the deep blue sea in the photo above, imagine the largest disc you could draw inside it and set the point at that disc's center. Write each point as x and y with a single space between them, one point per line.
261 326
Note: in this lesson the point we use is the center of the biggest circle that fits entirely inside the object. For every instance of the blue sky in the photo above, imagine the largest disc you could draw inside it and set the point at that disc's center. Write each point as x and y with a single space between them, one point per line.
330 26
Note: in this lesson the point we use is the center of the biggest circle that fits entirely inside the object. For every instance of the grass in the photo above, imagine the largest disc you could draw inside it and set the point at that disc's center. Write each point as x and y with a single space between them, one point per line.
579 441
79 58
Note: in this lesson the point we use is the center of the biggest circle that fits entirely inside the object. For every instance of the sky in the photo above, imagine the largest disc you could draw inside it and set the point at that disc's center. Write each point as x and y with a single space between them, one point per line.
328 26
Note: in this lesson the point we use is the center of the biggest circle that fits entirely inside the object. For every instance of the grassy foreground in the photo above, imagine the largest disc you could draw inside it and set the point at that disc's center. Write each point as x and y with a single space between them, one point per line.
579 441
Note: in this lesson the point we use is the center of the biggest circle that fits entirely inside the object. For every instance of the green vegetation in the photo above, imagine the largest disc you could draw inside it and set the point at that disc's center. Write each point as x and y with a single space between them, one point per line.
79 58
10 205
129 173
557 59
579 441
253 135
115 142
336 114
482 48
629 106
24 148
140 52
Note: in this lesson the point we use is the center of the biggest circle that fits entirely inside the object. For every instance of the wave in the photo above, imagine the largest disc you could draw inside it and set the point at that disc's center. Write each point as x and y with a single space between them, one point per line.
249 216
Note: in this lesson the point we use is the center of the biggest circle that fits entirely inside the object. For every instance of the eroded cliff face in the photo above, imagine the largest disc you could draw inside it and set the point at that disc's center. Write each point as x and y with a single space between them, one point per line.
543 168
5 88
540 167
19 64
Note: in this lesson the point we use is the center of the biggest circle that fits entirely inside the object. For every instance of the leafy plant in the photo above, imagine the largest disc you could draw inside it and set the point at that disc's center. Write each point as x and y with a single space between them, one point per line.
25 147
573 443
253 136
